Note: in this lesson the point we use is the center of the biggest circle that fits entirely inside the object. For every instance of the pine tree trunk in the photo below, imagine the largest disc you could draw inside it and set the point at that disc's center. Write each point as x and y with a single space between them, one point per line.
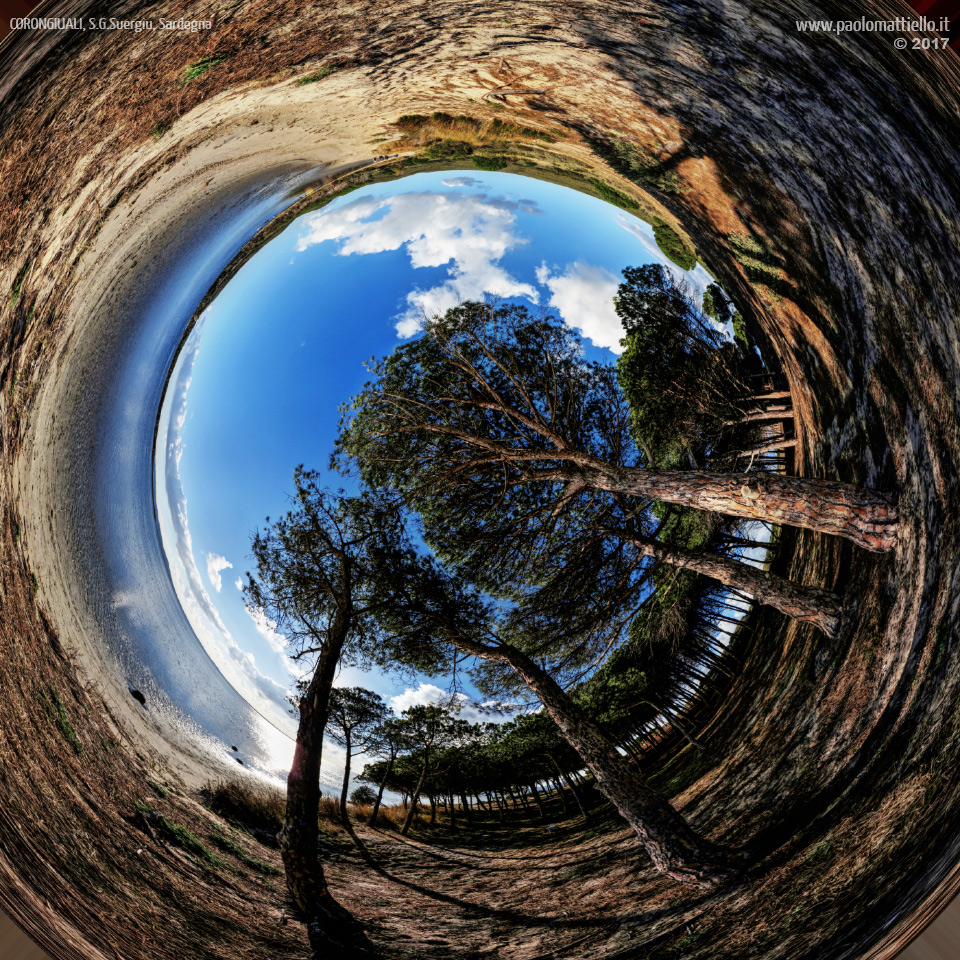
346 782
675 849
866 517
299 836
536 796
379 800
415 799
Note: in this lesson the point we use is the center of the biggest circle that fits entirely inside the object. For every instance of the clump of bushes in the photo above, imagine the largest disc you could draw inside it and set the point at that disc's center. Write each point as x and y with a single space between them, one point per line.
448 150
490 163
228 845
671 243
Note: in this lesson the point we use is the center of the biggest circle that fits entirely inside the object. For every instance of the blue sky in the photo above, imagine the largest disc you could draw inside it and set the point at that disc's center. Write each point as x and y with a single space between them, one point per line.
257 387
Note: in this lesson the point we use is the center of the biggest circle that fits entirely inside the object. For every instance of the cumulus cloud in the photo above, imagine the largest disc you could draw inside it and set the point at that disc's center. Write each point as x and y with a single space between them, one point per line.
469 233
583 296
461 182
429 693
238 583
215 565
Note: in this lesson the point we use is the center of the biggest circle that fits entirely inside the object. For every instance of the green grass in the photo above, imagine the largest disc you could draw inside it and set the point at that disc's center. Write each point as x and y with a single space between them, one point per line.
57 712
159 129
230 846
158 790
200 68
18 285
318 76
36 583
608 193
179 836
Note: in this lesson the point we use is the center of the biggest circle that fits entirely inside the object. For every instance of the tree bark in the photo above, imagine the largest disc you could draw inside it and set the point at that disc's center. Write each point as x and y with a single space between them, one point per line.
414 799
536 796
346 781
299 836
812 605
383 784
675 849
863 516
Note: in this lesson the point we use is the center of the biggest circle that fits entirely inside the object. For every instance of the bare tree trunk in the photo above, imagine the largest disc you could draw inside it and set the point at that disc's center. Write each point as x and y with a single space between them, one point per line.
536 796
865 517
433 809
299 836
344 819
812 605
560 793
415 799
675 849
379 800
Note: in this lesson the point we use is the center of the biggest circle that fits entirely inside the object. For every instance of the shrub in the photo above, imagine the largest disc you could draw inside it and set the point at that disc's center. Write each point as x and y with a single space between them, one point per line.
448 150
363 796
490 163
671 243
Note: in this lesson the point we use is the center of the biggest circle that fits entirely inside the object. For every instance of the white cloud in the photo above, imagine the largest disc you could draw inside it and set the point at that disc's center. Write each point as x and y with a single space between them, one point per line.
461 182
216 564
469 233
267 629
583 296
238 583
429 693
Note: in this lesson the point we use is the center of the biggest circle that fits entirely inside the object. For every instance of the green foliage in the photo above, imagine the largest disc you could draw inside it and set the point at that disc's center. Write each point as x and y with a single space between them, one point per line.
608 193
159 129
363 796
740 332
36 583
666 366
630 160
672 244
321 74
411 121
157 789
491 163
200 68
717 304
